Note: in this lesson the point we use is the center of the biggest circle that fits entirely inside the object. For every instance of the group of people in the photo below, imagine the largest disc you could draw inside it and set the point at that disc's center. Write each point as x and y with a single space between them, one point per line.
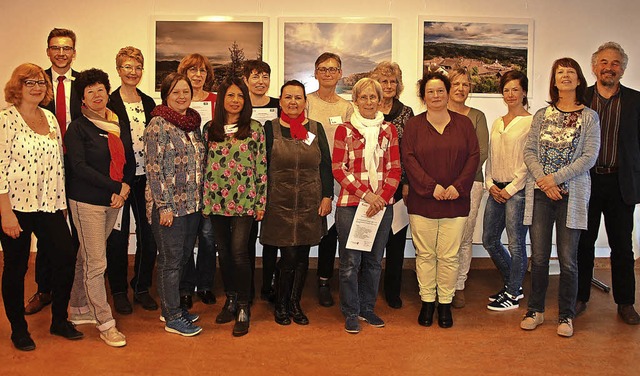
206 167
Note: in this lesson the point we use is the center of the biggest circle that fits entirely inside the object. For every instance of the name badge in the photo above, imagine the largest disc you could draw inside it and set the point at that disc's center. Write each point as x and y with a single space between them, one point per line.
385 144
230 128
335 120
310 138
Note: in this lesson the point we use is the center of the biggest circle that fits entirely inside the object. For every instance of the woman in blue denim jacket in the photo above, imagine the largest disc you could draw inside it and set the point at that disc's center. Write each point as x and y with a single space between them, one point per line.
562 146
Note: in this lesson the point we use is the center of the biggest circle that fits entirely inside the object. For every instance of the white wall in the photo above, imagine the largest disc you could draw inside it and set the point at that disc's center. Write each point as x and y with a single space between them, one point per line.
561 28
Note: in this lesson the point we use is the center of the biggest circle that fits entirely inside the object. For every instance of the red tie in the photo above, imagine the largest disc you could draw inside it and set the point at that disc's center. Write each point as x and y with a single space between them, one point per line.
61 107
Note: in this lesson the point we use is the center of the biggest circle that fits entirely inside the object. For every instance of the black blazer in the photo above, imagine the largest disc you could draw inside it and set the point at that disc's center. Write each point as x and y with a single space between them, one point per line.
628 143
75 102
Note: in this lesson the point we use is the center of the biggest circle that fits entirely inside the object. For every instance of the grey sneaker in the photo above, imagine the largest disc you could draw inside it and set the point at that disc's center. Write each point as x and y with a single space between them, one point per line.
82 318
189 316
352 325
372 319
531 320
565 327
183 327
113 337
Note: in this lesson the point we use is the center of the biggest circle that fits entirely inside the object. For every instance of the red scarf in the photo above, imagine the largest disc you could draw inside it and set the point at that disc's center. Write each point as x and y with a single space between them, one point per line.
187 122
110 125
298 131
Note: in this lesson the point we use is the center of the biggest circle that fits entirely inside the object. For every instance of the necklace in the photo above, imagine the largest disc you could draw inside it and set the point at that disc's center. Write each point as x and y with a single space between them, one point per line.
37 123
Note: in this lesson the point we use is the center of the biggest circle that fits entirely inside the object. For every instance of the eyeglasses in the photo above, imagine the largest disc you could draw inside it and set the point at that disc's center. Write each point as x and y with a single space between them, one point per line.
32 83
388 82
194 70
331 70
129 68
65 49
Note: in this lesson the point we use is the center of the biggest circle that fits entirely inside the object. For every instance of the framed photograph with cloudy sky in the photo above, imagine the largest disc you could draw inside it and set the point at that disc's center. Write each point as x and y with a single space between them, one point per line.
487 47
225 41
360 43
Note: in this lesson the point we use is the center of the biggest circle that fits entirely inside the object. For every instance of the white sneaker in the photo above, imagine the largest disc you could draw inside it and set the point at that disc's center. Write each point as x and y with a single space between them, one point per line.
113 337
82 318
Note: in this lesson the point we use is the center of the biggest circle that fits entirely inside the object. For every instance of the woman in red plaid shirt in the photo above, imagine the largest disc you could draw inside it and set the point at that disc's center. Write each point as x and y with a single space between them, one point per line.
366 164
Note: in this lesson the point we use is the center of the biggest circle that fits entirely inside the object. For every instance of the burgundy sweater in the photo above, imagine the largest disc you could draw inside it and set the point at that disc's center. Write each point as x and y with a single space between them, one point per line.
431 158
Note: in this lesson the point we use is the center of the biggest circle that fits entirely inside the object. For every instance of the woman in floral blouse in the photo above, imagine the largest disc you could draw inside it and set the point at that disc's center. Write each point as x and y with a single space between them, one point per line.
235 191
174 161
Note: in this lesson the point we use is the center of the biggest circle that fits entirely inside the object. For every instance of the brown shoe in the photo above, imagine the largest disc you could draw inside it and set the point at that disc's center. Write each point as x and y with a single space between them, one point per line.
628 314
37 302
458 299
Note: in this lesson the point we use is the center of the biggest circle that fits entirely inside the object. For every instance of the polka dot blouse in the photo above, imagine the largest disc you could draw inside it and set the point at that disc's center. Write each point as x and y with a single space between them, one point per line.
31 165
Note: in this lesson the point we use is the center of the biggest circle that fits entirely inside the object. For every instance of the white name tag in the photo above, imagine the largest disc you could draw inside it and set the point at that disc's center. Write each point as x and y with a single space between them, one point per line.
335 120
310 138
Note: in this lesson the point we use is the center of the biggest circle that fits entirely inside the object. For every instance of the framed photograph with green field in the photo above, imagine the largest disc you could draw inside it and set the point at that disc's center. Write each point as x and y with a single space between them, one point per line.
226 41
487 47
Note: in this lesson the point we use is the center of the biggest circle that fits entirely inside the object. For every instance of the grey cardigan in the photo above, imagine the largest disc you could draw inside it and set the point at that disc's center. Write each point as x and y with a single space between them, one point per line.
576 174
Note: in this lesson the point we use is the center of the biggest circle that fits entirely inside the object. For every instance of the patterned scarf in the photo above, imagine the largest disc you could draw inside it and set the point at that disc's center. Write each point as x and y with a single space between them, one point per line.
298 131
187 122
110 125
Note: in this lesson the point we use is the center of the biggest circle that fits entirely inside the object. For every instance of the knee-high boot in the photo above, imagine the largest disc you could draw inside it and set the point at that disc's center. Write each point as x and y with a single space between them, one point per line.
283 295
296 294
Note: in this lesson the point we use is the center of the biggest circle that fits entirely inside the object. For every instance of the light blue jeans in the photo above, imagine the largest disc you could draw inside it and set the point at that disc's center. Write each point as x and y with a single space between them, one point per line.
512 264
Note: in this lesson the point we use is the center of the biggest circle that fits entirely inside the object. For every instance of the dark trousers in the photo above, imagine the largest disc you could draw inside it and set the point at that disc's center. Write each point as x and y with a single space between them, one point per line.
394 262
327 253
294 259
50 229
269 258
200 273
118 245
44 264
232 240
618 220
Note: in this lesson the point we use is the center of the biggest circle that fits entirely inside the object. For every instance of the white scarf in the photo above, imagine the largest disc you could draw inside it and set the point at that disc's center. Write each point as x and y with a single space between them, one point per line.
370 129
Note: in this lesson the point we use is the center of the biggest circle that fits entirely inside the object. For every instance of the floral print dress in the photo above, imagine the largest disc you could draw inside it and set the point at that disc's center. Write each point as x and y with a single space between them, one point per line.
236 175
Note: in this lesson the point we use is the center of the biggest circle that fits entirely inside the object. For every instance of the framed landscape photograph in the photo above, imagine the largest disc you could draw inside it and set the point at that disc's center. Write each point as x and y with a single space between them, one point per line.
361 45
487 47
225 41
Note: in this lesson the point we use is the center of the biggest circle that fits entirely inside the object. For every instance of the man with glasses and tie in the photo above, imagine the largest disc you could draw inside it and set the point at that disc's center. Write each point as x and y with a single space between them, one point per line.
66 106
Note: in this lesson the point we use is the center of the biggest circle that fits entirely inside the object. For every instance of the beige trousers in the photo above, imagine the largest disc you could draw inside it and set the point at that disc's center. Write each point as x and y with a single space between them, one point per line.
436 242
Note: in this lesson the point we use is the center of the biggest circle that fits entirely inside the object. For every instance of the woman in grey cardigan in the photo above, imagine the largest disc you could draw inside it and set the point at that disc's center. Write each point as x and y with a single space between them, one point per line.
562 146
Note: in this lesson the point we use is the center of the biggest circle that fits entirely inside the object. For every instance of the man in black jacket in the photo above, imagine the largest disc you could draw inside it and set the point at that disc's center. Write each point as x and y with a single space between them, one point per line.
61 50
615 180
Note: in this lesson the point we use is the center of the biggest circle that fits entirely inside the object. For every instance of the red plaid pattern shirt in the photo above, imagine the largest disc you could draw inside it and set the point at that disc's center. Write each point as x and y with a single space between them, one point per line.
349 168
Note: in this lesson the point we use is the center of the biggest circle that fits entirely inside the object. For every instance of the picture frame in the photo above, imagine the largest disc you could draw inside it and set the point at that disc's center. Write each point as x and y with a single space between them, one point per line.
360 42
216 37
489 47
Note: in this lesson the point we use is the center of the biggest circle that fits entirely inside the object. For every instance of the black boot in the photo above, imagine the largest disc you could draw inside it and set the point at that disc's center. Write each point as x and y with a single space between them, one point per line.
445 319
241 326
283 296
228 312
296 294
425 318
324 293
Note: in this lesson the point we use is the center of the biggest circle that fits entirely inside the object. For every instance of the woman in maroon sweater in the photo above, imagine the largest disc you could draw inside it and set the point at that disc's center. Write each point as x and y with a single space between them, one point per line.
440 154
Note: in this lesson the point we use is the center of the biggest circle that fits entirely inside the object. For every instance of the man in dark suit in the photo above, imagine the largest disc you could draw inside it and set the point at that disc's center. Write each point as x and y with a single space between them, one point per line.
615 180
66 106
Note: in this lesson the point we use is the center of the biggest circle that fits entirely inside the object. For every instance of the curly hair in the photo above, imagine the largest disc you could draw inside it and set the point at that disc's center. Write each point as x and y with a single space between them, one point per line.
387 68
432 75
91 77
13 88
129 52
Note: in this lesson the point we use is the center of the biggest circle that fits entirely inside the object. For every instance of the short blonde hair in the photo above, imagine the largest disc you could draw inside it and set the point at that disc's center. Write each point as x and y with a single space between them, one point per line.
13 88
387 68
364 83
129 53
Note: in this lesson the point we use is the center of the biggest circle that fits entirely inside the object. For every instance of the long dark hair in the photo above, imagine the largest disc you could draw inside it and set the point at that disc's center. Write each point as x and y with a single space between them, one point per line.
216 130
567 62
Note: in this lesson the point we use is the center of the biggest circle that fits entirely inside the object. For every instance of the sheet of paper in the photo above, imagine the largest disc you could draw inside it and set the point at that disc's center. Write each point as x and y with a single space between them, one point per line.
118 224
264 114
364 229
204 109
400 217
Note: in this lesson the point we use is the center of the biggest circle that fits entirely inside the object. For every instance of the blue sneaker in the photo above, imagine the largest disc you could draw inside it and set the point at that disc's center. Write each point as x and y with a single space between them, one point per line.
183 327
189 316
352 325
372 319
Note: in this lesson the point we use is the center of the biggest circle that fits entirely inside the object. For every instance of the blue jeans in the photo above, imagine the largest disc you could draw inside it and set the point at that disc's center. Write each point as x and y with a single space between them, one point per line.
202 272
175 246
546 212
510 215
360 271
